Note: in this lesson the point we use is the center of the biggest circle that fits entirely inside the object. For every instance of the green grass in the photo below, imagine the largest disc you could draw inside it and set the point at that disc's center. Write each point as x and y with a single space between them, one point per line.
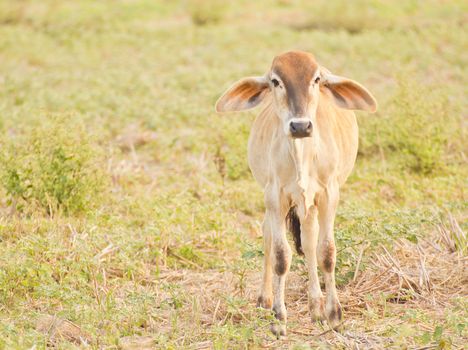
82 81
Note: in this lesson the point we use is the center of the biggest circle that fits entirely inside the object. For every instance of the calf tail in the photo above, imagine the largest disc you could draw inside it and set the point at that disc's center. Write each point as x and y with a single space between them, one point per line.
294 225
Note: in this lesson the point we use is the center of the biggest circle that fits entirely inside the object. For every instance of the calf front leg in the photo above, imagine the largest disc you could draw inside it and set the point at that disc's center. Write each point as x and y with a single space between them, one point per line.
327 204
278 256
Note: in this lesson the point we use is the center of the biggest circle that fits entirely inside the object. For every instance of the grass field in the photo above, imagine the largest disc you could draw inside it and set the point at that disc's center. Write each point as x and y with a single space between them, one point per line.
128 215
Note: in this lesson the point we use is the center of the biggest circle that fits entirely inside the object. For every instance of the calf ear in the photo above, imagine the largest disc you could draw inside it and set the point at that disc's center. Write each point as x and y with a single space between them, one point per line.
347 93
242 95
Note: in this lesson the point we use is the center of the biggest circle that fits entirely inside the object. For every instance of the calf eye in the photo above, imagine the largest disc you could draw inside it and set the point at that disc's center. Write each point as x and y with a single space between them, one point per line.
317 80
275 82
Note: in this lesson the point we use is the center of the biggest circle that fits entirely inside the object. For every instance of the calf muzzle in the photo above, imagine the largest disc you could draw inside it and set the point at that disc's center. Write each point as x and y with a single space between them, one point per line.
301 128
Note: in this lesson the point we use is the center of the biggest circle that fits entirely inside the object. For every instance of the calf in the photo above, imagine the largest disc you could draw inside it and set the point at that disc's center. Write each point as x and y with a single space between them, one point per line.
302 147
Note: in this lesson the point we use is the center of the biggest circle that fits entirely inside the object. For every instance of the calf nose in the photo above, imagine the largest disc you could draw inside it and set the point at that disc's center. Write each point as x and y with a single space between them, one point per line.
301 128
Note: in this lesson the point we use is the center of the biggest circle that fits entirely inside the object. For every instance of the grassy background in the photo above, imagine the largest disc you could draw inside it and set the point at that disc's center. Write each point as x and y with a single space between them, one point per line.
115 171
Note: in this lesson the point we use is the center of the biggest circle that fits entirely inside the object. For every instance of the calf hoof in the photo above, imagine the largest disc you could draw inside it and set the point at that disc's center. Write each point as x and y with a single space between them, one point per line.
317 309
279 330
334 315
279 327
264 302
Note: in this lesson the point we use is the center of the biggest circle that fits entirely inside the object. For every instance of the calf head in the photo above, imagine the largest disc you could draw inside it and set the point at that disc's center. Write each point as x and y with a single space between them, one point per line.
295 82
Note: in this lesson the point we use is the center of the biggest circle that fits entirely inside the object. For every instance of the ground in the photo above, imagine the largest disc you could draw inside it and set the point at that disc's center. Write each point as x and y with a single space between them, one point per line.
128 215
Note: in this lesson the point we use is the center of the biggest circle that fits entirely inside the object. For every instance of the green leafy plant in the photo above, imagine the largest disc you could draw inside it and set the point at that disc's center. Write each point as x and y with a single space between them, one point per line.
52 167
414 129
205 12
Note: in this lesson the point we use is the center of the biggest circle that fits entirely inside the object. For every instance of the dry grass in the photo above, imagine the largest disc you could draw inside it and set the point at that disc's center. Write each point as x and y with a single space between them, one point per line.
167 253
427 277
57 329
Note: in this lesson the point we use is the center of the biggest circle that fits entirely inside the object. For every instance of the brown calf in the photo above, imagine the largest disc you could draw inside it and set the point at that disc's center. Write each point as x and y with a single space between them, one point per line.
302 147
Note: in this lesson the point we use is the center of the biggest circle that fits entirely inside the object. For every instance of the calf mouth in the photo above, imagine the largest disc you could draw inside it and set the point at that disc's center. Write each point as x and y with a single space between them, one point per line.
301 135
